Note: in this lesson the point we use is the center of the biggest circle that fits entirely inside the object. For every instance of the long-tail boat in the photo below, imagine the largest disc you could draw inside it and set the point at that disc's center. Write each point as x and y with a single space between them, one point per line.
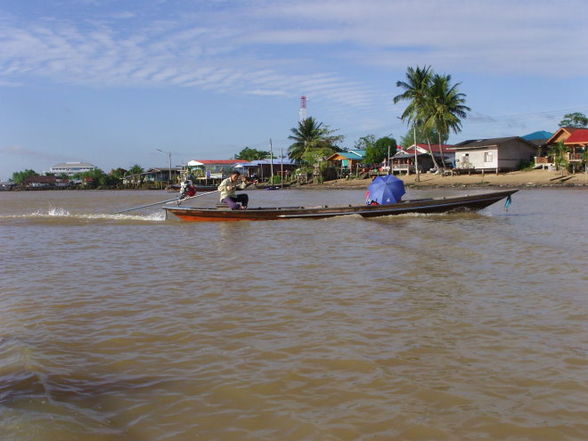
432 205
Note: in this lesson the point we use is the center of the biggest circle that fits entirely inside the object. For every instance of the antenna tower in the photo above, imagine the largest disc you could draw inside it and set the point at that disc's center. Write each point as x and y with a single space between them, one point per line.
302 110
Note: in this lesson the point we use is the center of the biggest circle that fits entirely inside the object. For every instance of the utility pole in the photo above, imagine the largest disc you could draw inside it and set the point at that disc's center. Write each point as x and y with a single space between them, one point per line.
169 175
416 164
271 162
282 166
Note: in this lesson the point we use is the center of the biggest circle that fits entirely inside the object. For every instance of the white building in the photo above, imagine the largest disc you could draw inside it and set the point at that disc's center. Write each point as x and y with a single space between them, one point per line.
71 168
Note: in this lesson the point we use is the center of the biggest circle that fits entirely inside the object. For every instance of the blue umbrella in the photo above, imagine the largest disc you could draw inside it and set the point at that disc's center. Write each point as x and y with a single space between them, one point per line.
386 190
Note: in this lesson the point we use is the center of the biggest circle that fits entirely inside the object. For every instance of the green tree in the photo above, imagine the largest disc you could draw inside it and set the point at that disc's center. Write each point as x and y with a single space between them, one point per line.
365 142
97 179
559 154
118 173
422 135
576 120
434 104
21 176
136 170
377 151
445 108
311 135
135 174
416 91
249 154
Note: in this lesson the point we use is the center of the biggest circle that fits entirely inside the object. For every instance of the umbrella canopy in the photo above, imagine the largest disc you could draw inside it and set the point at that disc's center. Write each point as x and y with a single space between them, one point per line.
386 190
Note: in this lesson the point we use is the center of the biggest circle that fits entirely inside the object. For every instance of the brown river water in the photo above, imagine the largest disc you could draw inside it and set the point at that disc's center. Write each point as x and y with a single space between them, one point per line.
433 327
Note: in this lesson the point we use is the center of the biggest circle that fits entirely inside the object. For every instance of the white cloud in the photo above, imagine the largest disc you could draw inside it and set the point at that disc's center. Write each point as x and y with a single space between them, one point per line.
291 47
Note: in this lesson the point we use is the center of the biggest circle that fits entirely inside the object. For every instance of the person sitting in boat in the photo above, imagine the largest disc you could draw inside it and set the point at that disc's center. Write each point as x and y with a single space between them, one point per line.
368 200
228 188
187 189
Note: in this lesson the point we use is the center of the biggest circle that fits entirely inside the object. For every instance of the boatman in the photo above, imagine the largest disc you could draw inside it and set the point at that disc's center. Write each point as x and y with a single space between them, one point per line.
187 189
228 188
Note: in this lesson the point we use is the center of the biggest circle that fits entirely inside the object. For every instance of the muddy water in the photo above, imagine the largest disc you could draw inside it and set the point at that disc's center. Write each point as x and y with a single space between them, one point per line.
444 327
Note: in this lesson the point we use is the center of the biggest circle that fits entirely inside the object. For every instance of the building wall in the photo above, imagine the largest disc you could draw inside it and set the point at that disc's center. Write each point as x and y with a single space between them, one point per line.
506 157
478 158
513 153
72 169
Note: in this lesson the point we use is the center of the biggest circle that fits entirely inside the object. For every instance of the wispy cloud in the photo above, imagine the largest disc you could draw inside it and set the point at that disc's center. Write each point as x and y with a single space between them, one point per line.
158 53
524 37
23 152
285 48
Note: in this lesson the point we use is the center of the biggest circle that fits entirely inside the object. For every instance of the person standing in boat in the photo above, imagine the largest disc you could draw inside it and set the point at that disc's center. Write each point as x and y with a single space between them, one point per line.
228 188
187 189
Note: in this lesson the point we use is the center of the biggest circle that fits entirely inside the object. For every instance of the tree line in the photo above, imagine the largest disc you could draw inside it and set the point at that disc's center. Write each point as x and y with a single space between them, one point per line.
92 179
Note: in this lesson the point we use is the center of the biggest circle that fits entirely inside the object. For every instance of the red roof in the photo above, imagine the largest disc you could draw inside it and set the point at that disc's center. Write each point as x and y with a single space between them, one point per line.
436 148
578 136
40 179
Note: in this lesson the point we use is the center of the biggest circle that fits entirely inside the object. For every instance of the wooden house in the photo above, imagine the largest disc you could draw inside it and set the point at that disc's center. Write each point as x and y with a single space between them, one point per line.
494 154
575 140
347 162
263 169
162 175
403 160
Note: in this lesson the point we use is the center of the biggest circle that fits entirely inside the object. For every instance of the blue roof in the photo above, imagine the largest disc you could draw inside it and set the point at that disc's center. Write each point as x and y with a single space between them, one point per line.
353 154
541 134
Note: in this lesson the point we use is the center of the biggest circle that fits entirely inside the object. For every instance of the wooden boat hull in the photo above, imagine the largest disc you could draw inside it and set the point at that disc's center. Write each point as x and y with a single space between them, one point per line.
434 205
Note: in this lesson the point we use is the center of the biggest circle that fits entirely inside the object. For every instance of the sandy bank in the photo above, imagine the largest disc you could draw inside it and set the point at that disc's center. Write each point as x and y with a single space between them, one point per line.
517 179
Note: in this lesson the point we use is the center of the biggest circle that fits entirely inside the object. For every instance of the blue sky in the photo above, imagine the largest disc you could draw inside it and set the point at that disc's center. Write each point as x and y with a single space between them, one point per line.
111 81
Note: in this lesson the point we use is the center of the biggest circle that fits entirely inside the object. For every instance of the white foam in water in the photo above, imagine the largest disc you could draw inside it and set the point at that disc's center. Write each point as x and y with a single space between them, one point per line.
55 212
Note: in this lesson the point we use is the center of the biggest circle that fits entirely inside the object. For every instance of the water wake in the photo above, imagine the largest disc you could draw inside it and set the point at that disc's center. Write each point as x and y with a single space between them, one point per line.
61 213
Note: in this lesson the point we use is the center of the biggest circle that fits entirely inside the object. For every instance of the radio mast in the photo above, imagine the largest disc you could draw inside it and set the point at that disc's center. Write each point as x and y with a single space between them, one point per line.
302 111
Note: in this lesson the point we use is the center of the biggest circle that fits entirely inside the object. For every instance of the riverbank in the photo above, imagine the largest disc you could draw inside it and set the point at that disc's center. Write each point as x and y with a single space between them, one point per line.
516 179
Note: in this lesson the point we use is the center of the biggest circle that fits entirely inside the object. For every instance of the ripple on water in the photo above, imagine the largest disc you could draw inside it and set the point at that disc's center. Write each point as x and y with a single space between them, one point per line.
460 327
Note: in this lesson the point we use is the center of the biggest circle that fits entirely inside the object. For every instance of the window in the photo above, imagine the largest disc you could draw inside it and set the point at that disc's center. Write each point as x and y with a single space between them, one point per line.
488 156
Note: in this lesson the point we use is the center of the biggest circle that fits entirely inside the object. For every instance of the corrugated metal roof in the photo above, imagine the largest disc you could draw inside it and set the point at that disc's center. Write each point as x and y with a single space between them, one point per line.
539 135
480 143
354 154
578 136
435 148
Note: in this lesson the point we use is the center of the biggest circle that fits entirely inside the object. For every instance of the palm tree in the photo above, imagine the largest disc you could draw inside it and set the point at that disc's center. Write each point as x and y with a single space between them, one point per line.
416 91
445 108
311 135
135 173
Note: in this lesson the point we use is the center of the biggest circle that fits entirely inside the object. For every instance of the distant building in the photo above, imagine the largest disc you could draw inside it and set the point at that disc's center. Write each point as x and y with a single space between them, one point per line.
71 168
162 174
264 168
212 168
37 181
346 161
576 142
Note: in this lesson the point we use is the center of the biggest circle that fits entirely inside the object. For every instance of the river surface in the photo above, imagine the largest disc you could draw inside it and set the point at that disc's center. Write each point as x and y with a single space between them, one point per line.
441 327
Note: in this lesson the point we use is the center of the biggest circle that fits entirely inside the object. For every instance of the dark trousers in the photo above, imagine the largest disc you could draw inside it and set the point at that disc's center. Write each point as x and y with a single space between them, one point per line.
232 201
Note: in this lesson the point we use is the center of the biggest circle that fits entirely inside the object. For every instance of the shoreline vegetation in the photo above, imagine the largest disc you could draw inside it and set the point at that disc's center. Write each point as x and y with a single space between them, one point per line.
515 179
